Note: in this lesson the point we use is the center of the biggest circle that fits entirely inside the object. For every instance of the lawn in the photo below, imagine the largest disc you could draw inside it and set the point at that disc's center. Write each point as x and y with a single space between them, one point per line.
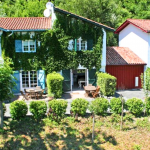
69 134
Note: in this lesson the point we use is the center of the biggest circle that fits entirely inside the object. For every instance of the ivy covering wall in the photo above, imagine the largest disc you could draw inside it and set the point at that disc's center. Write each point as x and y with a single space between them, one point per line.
53 54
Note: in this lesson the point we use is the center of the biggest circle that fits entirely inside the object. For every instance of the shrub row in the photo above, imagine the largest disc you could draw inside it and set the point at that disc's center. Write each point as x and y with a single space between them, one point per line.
107 83
57 108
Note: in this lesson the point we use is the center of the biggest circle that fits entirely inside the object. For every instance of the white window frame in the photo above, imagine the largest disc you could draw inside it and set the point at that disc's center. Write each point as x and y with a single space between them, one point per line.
80 40
28 46
21 81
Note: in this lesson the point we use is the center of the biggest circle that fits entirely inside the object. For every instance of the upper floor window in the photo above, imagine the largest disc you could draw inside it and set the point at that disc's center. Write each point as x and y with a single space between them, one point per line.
28 46
77 44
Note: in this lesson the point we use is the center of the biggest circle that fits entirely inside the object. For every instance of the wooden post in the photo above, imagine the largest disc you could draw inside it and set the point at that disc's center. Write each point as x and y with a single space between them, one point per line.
93 128
121 126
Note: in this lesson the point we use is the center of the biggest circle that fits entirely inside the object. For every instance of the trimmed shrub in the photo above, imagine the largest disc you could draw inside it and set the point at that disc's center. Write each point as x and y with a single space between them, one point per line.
107 84
54 84
4 108
148 105
18 109
38 109
99 106
57 109
135 106
116 105
79 106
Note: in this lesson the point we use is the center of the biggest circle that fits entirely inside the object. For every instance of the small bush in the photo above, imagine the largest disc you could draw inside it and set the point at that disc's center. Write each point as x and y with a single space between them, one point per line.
148 105
135 106
116 105
18 109
4 108
79 106
57 109
38 109
54 84
99 106
107 84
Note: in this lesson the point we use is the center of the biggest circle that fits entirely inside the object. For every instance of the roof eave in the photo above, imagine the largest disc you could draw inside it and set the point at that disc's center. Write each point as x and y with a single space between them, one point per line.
84 19
9 30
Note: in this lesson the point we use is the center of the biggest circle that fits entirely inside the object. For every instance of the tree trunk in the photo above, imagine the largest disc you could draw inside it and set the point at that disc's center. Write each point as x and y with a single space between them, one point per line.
1 114
93 127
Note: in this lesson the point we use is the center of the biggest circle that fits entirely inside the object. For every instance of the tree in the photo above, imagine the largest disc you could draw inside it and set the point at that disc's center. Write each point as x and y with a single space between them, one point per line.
6 84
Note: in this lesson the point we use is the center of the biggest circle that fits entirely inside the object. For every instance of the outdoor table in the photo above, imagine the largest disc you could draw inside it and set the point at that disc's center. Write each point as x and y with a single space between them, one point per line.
34 90
89 89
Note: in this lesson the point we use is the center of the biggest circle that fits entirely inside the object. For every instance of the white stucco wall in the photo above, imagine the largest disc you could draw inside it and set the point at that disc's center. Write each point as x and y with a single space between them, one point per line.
137 40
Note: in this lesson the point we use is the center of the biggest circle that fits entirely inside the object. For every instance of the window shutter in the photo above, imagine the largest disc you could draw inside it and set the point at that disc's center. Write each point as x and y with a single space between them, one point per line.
41 78
35 45
18 45
16 89
90 44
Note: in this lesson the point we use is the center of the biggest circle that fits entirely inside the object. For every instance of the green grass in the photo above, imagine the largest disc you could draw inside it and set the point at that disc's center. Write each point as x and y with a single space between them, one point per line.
75 135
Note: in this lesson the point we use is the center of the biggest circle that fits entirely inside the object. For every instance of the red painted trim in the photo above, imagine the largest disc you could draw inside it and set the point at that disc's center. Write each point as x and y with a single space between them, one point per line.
126 23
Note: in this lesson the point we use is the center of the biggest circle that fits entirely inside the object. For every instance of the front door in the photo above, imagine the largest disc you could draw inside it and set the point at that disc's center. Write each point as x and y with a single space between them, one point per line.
67 80
92 77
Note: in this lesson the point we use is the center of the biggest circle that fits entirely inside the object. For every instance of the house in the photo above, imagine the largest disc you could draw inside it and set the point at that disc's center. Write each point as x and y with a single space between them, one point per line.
18 28
134 48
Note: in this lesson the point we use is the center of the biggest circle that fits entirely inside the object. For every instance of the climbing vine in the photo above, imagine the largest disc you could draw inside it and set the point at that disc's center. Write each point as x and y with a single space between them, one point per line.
53 54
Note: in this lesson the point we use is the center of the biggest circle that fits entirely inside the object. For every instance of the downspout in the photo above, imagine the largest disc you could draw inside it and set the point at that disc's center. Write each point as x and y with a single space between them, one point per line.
103 62
1 59
11 34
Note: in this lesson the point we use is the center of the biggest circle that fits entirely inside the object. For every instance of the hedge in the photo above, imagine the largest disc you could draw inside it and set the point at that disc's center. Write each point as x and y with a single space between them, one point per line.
18 109
38 109
54 84
107 84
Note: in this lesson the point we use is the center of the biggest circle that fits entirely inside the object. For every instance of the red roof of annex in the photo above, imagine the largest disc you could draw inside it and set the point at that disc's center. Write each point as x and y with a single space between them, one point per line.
142 24
122 56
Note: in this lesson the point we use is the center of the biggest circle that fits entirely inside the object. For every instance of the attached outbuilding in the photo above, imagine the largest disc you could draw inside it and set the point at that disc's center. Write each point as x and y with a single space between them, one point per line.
126 66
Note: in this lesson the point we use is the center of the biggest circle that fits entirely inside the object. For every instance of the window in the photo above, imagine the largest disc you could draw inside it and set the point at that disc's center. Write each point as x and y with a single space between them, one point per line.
29 46
80 44
29 79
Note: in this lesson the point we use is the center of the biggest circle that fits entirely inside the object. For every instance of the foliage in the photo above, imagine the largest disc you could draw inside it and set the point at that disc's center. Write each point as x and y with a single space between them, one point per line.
107 83
116 105
79 106
148 105
18 109
99 106
57 109
38 109
54 84
4 108
135 106
6 80
144 122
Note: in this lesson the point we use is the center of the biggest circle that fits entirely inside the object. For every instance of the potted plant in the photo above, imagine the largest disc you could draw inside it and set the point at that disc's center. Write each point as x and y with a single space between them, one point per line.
50 96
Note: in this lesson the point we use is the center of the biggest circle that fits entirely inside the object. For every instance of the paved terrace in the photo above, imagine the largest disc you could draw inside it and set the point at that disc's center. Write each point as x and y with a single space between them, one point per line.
69 96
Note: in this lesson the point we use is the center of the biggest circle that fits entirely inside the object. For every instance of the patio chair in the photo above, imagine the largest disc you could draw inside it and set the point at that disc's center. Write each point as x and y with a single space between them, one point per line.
96 93
24 96
40 94
32 94
38 87
26 93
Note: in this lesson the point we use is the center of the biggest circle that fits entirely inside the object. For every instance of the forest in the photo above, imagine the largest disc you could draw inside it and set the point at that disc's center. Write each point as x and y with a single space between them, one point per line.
109 12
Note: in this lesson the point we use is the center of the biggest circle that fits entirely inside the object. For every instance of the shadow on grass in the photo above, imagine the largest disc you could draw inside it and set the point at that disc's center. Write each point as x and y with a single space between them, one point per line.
29 134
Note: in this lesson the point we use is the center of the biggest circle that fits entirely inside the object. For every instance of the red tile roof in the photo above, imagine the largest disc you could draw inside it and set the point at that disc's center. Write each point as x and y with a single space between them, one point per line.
25 23
122 56
143 24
